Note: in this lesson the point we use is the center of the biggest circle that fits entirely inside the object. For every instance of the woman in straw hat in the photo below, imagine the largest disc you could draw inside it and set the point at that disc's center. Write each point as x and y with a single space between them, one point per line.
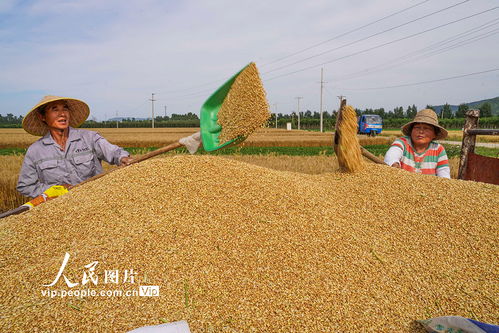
64 155
417 151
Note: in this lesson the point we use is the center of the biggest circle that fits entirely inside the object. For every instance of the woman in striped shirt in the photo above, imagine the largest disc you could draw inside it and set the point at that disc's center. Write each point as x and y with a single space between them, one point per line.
417 151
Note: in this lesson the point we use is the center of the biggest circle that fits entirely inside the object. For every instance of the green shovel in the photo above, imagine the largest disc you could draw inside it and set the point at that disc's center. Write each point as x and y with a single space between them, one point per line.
210 129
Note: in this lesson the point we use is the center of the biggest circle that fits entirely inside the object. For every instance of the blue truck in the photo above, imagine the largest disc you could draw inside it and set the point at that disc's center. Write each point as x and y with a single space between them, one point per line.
370 124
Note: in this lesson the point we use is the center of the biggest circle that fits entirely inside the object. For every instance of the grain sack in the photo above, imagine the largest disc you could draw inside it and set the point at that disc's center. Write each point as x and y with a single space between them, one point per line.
235 247
245 107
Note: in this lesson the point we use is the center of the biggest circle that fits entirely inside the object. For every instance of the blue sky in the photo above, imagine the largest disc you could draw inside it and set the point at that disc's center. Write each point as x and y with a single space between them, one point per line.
114 54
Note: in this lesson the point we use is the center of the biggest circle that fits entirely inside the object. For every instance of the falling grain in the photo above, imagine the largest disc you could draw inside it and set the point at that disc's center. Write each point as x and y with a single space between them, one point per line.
245 107
346 142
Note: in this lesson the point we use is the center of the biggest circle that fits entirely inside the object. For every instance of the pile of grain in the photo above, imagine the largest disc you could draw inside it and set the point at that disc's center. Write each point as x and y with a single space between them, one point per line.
245 107
346 143
237 247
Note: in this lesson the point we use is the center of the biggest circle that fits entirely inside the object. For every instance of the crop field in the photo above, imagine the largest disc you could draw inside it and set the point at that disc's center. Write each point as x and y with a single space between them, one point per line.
158 137
267 137
454 135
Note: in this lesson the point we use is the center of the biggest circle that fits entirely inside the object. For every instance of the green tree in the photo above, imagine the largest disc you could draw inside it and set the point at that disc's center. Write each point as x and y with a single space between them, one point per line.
428 106
446 111
461 110
398 112
411 111
381 112
485 110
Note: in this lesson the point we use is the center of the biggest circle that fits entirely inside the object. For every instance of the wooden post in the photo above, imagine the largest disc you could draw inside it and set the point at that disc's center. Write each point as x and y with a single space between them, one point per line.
468 144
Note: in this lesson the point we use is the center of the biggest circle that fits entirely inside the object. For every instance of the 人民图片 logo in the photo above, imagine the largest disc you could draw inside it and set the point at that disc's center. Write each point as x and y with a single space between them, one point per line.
111 277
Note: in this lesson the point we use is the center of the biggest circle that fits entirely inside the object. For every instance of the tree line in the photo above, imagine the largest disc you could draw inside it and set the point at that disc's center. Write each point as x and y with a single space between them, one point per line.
444 113
308 119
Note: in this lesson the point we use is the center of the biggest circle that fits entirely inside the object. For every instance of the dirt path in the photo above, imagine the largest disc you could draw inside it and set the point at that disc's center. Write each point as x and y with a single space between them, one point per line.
478 144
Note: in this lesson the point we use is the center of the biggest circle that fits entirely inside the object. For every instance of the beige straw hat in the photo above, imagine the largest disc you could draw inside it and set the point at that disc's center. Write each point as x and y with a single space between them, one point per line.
426 116
79 113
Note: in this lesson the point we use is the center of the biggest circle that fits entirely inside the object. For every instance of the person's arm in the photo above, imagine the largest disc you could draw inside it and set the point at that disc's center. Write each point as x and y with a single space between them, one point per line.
28 183
443 172
443 168
393 156
109 152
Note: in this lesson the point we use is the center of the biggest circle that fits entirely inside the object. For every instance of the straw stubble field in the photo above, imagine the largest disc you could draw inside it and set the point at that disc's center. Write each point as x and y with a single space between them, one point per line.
266 137
158 137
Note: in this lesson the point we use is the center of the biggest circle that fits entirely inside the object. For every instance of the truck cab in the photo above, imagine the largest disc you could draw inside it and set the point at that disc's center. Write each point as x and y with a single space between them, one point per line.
370 124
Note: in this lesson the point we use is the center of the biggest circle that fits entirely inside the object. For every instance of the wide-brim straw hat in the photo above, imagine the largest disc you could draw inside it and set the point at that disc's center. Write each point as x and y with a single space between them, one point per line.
79 112
426 116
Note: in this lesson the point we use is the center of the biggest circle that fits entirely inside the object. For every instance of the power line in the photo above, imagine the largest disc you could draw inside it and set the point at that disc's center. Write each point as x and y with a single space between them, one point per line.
301 51
344 34
198 93
424 56
456 45
425 82
365 38
192 87
381 45
431 50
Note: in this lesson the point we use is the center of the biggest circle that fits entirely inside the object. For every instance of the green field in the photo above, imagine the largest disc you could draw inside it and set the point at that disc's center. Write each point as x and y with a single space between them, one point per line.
452 150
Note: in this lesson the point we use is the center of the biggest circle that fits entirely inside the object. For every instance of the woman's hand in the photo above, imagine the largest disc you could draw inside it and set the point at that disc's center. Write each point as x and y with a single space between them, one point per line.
396 165
126 161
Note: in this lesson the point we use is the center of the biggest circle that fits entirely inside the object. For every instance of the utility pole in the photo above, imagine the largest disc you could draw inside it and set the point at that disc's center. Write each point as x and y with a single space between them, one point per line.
165 112
298 99
275 107
341 97
152 109
116 118
322 87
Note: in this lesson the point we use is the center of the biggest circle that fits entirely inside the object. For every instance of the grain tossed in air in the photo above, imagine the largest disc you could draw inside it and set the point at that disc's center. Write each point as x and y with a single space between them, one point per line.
245 107
346 144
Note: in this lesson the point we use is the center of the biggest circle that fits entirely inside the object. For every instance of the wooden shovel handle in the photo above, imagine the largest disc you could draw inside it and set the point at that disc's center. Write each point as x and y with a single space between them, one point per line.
153 153
367 153
156 152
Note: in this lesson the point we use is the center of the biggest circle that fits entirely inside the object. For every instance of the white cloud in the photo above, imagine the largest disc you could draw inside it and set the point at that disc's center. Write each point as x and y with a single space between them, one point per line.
115 54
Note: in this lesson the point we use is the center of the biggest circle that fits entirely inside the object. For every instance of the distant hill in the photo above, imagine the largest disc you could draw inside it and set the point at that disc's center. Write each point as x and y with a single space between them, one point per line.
494 103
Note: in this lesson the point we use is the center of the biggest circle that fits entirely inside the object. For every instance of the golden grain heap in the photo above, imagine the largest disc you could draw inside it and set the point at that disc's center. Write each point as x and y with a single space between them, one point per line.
240 248
346 143
245 107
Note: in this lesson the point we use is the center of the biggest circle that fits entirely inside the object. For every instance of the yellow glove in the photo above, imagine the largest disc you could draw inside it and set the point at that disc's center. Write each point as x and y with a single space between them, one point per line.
50 193
55 191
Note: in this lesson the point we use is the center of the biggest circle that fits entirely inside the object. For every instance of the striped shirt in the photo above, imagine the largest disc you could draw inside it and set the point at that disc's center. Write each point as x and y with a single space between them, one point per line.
433 161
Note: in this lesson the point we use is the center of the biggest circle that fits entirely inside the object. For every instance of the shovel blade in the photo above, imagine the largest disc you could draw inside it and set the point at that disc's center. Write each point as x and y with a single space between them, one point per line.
210 129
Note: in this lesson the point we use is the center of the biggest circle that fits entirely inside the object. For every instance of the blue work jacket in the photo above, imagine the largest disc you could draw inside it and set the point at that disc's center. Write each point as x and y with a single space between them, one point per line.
46 164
